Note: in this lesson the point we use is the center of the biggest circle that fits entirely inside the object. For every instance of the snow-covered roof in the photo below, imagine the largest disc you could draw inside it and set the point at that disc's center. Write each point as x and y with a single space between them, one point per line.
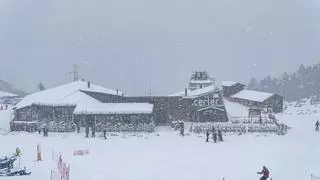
7 94
256 96
235 109
206 81
228 83
197 92
114 108
68 94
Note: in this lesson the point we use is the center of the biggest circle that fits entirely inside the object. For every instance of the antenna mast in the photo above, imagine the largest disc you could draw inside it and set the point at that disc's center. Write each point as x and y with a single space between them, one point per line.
75 72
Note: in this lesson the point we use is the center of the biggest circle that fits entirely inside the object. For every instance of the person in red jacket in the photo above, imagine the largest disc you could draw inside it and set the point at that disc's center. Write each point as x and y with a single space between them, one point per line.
265 173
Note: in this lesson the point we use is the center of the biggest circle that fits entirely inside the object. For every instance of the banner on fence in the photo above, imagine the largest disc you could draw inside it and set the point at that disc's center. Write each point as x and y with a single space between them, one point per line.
80 152
63 171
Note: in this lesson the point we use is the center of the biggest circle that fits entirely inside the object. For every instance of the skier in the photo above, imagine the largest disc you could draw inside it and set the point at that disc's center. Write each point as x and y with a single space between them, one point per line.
220 135
214 135
105 133
207 134
213 130
265 173
46 132
78 129
317 126
39 130
87 131
182 130
260 120
93 132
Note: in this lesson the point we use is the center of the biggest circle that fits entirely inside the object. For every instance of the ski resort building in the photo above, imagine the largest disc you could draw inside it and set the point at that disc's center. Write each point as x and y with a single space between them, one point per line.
230 88
203 105
259 99
200 79
54 108
82 104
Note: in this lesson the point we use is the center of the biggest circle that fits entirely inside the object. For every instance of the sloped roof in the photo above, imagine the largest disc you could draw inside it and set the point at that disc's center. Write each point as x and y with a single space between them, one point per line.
114 108
64 94
251 95
7 94
235 109
197 92
228 83
205 81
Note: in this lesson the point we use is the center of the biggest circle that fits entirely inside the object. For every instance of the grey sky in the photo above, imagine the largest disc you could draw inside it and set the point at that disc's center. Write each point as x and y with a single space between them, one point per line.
126 44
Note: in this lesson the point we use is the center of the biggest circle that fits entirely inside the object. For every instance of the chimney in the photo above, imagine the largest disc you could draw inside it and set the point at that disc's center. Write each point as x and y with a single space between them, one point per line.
89 84
186 92
117 92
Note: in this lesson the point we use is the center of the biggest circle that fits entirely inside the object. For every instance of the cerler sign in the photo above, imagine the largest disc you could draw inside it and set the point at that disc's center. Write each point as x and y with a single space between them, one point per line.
206 101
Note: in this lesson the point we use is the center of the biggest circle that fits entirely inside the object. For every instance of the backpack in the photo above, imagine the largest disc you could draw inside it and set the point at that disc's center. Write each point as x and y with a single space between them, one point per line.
266 173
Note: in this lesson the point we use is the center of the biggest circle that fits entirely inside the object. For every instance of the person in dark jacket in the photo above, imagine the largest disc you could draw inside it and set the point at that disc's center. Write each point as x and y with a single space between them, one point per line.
265 173
317 126
87 131
47 130
93 132
214 135
182 130
207 134
220 135
105 133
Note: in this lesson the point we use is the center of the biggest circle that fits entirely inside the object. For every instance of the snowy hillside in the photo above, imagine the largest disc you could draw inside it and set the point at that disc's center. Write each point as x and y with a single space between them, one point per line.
7 87
302 107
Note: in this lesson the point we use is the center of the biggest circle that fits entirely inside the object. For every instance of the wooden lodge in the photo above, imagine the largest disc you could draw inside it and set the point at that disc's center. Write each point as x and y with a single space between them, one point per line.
259 99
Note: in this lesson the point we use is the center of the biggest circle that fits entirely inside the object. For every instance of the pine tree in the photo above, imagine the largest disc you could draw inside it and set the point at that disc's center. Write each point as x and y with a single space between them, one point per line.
253 84
41 87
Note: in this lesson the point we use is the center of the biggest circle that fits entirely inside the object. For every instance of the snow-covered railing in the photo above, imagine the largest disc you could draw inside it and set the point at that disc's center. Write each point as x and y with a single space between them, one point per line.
250 120
238 128
121 127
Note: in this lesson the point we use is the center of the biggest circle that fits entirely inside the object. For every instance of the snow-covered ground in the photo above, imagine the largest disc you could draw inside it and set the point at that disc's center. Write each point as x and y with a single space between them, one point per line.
167 156
5 116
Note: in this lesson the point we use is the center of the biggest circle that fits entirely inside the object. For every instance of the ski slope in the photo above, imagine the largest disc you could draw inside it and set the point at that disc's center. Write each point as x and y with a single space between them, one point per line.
165 155
5 119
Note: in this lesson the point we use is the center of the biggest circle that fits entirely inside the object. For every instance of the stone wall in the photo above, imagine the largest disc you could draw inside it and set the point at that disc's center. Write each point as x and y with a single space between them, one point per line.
34 117
116 122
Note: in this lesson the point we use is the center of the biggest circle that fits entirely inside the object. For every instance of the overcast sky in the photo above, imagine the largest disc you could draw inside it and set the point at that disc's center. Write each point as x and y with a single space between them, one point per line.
126 44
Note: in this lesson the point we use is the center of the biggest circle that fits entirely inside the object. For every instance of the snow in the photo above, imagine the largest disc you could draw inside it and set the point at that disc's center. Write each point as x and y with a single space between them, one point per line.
256 96
235 109
5 117
114 108
197 92
228 83
7 94
165 155
68 94
207 81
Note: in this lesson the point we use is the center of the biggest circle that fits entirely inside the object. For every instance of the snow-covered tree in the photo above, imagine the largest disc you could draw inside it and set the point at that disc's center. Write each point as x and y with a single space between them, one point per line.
41 87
